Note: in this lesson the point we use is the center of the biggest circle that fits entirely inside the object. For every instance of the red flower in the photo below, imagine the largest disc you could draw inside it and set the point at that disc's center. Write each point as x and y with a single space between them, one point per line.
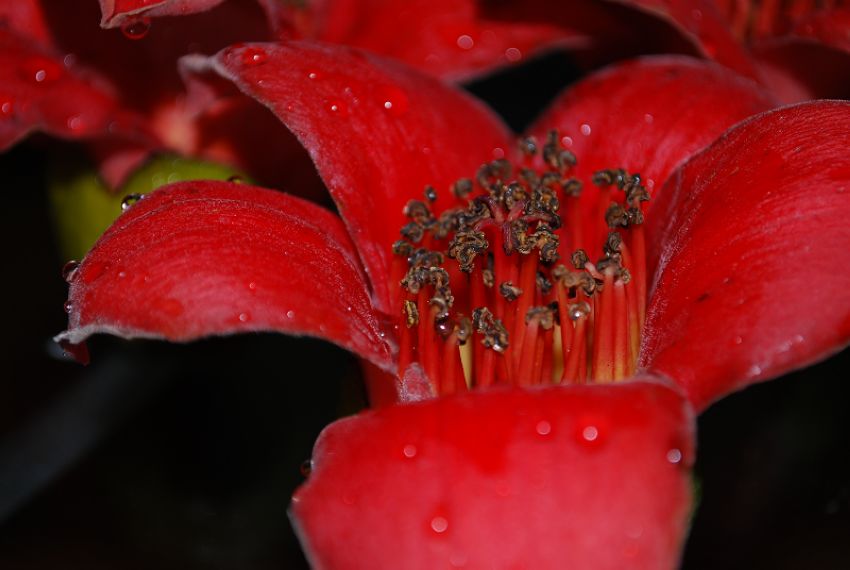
587 476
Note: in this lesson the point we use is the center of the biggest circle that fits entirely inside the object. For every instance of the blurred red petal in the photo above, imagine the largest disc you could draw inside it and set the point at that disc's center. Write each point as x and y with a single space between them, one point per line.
591 477
831 27
748 242
800 69
377 132
208 258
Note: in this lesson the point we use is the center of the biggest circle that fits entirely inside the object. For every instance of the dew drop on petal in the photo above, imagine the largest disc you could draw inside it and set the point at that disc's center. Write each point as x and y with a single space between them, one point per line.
244 317
567 141
498 153
394 100
543 427
290 314
439 524
254 56
738 340
314 75
648 118
129 200
590 433
409 451
674 455
585 129
41 70
252 286
69 270
338 108
513 54
7 107
465 41
136 29
75 122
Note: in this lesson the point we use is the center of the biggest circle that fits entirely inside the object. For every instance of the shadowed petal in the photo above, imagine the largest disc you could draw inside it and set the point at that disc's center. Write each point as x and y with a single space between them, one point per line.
205 258
748 239
377 132
118 12
591 477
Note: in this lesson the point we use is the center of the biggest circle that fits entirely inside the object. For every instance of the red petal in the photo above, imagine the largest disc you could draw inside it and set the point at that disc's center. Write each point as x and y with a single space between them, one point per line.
748 238
591 477
831 27
445 38
118 12
377 132
40 90
650 114
203 258
800 69
25 18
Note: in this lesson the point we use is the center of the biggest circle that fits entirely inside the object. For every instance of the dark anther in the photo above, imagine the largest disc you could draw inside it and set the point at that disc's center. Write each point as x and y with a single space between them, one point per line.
495 334
559 273
411 314
465 245
413 232
543 284
529 177
425 258
488 278
430 193
547 242
462 187
403 248
579 258
616 216
478 209
448 222
611 176
572 187
414 279
419 212
624 275
557 157
509 291
528 146
514 193
544 314
636 194
635 216
612 245
578 310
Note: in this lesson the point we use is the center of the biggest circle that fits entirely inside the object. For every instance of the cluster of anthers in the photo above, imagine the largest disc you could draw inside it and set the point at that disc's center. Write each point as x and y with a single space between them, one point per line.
532 320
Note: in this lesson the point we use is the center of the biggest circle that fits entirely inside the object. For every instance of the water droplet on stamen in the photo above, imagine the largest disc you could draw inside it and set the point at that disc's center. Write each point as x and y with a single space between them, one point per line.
674 456
69 270
136 29
254 56
129 200
465 42
409 451
306 467
439 524
543 427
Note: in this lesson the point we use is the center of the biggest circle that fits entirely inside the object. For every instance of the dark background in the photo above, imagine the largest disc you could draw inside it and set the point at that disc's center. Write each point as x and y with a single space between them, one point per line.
164 456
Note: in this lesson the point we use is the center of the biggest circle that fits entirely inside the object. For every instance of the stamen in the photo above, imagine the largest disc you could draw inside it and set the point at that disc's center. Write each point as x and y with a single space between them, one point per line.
598 307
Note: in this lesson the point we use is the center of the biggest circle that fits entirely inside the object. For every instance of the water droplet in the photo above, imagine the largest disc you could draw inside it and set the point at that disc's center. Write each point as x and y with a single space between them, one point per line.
394 100
409 451
439 524
696 14
338 108
129 200
349 308
70 60
585 129
738 340
543 427
498 153
122 274
513 54
75 122
41 70
754 370
235 179
136 29
674 456
252 286
254 56
465 42
306 467
244 317
69 270
648 119
69 306
314 75
590 433
567 141
7 107
290 314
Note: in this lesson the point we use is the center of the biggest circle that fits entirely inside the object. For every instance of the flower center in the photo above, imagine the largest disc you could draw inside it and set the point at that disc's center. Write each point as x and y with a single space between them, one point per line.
532 319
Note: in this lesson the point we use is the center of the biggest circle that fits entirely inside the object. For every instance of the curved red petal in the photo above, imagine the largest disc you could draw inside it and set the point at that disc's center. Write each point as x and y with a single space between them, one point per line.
750 233
445 38
591 477
831 27
208 258
648 115
799 69
42 91
25 18
377 132
118 12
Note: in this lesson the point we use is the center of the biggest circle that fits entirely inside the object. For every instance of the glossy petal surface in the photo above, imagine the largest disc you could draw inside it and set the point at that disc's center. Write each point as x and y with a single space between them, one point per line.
592 477
748 238
377 132
202 258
